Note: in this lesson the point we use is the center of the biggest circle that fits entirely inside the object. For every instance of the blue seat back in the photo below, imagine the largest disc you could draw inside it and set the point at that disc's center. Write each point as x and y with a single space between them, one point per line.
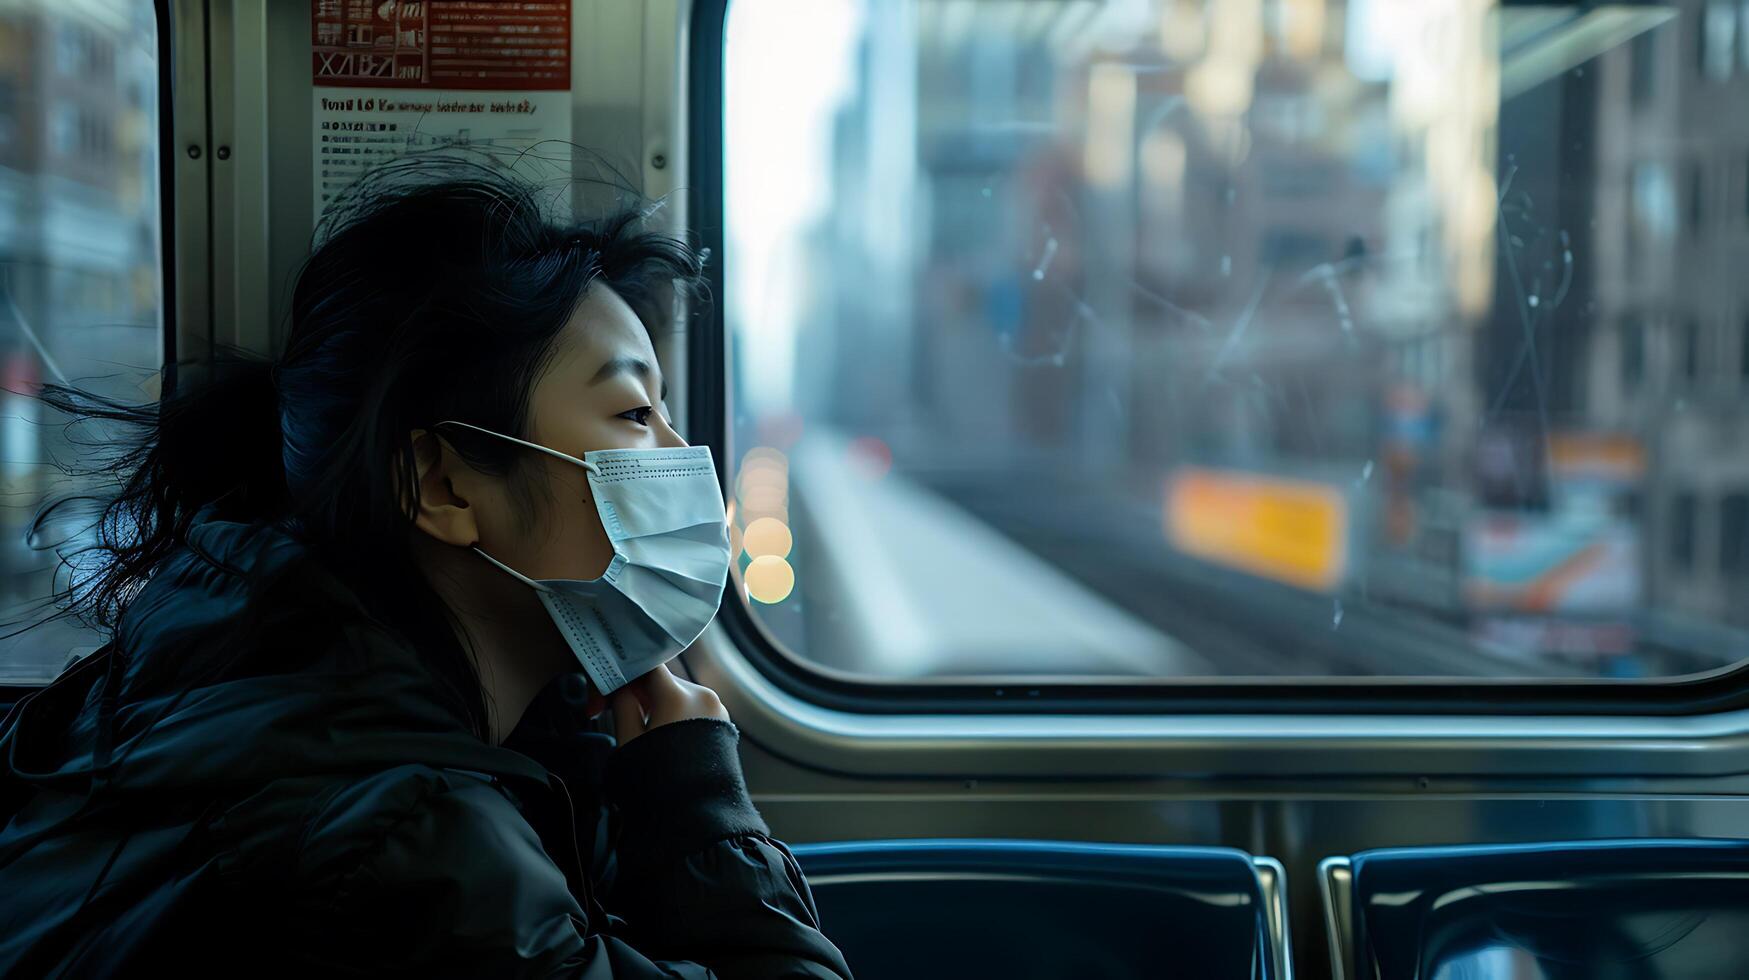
919 909
1600 910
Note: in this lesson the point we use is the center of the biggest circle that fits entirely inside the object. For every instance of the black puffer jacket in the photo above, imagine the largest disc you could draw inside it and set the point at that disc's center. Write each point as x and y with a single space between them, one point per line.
312 809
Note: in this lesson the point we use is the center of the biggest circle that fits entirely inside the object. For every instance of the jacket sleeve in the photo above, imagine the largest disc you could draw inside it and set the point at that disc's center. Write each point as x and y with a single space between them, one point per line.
699 875
424 872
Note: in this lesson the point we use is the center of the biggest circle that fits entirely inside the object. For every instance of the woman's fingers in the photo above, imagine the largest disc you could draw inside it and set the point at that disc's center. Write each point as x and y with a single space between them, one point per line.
665 699
672 699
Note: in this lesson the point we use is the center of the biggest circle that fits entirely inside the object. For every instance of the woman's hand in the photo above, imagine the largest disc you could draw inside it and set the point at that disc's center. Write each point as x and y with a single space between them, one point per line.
659 698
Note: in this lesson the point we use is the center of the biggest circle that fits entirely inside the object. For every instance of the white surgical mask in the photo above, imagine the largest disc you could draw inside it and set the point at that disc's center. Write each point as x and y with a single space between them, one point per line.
663 513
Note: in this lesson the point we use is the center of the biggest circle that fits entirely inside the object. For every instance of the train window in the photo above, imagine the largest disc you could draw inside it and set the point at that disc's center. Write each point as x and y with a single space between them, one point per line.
80 273
1181 339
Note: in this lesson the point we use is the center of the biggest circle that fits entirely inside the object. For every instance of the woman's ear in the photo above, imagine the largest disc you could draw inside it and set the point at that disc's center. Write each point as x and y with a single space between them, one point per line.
441 511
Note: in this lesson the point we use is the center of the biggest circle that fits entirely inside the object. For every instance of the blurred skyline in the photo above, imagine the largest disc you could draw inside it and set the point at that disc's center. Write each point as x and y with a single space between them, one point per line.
1412 321
80 274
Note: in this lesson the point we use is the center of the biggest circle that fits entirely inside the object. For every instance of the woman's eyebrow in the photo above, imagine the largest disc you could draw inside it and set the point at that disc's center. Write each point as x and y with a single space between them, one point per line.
628 364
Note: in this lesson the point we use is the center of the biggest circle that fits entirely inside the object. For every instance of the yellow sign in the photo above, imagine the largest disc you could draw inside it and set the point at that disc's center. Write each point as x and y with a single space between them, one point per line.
1293 531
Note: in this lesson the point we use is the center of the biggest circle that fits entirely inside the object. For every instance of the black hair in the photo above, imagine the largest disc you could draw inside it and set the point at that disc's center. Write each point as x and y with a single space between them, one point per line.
435 292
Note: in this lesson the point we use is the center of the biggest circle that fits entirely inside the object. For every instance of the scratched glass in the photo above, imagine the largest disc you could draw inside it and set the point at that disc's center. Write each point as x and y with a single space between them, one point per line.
1249 337
80 280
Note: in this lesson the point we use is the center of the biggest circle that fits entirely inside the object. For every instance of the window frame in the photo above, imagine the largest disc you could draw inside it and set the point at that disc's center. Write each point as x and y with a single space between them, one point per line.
1720 690
1681 695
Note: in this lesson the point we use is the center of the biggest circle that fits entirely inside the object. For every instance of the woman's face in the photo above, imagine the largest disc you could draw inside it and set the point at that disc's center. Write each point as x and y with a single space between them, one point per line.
602 389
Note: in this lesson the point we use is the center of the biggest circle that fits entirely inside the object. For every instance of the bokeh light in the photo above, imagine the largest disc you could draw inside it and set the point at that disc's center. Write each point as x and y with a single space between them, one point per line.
769 579
767 536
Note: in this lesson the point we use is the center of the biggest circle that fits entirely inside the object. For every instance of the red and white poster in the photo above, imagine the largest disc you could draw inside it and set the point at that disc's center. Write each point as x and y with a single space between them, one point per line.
392 77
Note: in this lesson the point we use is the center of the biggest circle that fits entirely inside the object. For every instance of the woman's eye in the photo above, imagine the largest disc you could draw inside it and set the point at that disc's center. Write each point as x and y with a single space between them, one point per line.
638 415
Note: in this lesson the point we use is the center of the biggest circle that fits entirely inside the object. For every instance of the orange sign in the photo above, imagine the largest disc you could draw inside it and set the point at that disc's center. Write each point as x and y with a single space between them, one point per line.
1597 455
1293 531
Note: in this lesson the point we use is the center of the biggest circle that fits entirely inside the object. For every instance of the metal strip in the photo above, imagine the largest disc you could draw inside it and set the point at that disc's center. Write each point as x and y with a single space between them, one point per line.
1196 746
191 181
237 56
1336 885
664 163
1272 879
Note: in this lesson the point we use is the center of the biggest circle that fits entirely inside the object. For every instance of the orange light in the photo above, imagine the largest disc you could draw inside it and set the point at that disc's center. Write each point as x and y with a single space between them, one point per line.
1292 531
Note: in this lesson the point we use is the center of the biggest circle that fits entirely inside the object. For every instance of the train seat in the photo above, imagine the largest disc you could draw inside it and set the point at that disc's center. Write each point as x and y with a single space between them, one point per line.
919 909
1601 910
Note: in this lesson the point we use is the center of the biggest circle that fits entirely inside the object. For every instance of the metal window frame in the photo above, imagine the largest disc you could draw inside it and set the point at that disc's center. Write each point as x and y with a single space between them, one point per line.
185 180
1552 750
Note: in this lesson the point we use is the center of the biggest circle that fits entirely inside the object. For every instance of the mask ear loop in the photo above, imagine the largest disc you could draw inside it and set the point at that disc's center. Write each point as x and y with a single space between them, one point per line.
537 447
590 467
524 579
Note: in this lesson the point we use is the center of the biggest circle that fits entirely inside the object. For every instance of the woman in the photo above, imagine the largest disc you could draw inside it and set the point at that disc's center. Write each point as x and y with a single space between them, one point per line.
341 728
